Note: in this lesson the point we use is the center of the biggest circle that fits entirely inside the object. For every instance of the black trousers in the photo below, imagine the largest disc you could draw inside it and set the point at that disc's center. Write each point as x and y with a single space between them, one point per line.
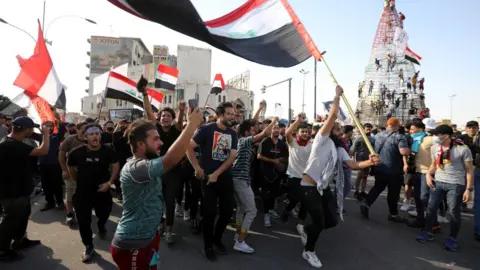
16 212
184 186
52 183
170 185
221 194
270 191
313 203
394 183
294 193
84 203
195 191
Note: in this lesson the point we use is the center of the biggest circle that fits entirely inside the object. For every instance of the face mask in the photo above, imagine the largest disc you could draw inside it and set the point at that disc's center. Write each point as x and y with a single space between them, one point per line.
436 140
280 137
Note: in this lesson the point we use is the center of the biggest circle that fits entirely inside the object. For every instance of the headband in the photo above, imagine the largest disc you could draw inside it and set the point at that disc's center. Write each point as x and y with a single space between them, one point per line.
92 130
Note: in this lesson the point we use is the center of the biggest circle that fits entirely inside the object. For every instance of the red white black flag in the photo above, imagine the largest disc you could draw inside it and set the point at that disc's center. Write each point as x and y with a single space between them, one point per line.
218 84
267 32
412 56
166 77
38 76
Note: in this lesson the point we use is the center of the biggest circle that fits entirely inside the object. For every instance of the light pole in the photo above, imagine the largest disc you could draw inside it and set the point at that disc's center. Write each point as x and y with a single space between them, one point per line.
451 106
18 28
49 42
315 86
289 80
304 72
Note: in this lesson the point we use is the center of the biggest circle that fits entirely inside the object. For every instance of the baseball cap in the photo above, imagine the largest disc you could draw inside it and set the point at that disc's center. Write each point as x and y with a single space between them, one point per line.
472 124
443 129
24 122
429 123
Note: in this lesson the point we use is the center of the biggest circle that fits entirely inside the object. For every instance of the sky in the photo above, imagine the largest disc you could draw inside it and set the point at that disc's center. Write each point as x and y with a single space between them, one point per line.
443 33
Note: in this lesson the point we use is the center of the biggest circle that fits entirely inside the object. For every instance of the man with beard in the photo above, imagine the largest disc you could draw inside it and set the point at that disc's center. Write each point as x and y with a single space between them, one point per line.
273 156
299 148
51 172
16 187
218 145
122 147
68 145
361 153
391 146
107 135
89 166
136 241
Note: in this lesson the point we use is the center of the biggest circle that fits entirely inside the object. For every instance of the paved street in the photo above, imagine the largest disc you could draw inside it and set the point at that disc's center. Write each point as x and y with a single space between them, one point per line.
354 244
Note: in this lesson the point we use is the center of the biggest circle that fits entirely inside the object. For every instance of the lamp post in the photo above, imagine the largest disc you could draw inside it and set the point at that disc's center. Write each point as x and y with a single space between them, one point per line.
289 80
49 42
315 86
451 106
304 72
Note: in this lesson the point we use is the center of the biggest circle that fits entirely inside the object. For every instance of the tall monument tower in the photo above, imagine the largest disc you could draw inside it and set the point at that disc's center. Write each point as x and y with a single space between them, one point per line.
391 86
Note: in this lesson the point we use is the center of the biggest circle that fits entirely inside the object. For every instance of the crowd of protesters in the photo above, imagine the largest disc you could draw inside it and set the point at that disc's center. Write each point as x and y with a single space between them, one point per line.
208 170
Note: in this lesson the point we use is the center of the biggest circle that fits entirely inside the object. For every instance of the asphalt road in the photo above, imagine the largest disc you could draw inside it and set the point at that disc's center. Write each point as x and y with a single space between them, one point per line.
354 244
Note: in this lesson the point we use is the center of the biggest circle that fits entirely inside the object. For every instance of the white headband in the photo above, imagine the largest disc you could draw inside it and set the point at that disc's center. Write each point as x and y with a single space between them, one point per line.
92 130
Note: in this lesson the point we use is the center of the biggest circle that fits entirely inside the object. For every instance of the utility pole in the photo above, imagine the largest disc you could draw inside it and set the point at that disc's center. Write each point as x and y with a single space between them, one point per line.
304 72
314 90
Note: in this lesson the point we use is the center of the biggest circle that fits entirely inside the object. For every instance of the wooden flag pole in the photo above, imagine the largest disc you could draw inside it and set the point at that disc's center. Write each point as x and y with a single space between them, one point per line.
104 94
350 111
206 100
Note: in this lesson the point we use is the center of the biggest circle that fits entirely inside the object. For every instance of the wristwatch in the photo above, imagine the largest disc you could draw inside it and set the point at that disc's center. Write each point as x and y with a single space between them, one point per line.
470 189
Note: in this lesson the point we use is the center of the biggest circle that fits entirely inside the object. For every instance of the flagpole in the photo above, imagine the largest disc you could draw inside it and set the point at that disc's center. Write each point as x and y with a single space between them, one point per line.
104 94
350 111
206 101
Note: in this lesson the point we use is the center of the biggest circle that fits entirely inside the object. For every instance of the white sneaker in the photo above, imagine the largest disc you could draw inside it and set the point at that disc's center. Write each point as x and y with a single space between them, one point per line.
406 206
186 215
312 259
413 213
442 219
303 235
274 214
266 221
178 211
243 247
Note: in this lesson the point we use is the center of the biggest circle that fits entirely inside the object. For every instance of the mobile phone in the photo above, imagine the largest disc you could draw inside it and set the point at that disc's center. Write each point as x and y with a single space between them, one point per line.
193 103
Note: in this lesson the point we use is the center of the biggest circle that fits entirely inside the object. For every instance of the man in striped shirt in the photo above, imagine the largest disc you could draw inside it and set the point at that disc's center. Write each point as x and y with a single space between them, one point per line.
241 181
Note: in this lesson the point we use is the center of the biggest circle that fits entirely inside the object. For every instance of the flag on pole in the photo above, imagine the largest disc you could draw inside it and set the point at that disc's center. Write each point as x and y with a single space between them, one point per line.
166 77
267 32
218 84
400 41
38 76
412 56
341 116
122 88
37 108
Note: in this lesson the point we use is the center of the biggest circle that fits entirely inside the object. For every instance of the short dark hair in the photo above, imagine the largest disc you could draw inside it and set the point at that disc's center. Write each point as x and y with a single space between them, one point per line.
281 125
108 122
418 123
169 110
221 108
347 128
316 127
246 125
137 132
368 125
302 126
267 122
81 125
90 120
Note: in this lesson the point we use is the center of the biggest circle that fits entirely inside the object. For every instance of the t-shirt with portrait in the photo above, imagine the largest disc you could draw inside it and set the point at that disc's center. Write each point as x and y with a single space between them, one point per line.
215 145
93 166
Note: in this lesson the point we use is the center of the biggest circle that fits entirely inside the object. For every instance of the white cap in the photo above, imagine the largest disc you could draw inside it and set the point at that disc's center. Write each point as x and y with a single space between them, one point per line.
429 123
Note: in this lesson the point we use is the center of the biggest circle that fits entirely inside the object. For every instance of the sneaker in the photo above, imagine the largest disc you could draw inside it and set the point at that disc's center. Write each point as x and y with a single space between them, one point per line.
195 227
10 256
416 224
396 218
169 238
312 259
364 209
406 206
442 219
178 211
70 218
451 244
412 213
303 234
266 221
47 206
209 254
274 214
243 247
186 215
235 237
87 255
220 248
425 236
25 243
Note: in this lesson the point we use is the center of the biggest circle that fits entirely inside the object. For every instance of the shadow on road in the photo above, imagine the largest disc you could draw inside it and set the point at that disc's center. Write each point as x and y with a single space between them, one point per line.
41 255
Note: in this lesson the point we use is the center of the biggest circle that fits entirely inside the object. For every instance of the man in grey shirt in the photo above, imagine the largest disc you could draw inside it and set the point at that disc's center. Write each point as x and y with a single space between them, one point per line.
3 128
452 163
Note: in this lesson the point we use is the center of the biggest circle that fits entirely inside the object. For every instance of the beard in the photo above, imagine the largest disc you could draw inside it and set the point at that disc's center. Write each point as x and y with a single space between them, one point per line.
151 154
337 141
226 123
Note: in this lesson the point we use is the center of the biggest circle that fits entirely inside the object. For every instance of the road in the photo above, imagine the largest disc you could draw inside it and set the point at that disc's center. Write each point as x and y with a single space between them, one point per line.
353 244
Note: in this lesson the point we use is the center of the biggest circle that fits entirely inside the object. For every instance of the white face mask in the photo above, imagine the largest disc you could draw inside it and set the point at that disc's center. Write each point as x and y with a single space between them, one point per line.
437 140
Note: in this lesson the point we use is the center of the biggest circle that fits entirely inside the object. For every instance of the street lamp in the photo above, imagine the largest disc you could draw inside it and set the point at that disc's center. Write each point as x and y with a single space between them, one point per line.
451 106
18 28
304 72
289 80
49 42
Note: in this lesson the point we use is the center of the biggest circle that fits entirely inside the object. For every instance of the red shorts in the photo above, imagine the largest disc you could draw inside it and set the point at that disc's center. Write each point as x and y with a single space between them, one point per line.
136 259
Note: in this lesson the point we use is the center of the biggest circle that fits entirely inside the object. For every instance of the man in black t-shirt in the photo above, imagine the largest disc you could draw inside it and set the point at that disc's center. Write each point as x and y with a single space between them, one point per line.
89 166
273 156
107 135
122 148
16 186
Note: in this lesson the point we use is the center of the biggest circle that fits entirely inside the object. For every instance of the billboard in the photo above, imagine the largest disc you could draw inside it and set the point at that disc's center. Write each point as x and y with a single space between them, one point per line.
106 52
148 72
241 81
160 50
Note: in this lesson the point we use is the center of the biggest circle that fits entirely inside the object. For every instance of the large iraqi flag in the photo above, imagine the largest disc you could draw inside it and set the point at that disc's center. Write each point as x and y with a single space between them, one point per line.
267 32
122 88
38 76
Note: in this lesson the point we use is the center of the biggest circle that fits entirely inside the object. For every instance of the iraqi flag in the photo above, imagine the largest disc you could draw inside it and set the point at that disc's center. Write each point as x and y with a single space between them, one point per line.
38 76
412 56
166 77
122 88
218 84
267 32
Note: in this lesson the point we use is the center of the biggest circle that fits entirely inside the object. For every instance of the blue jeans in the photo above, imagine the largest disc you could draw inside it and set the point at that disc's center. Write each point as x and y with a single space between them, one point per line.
476 202
454 194
347 174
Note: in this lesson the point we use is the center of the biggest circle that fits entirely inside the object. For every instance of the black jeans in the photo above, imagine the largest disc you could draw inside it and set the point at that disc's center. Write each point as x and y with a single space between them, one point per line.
16 212
221 192
270 191
417 192
52 183
184 186
294 194
83 204
393 182
170 185
313 203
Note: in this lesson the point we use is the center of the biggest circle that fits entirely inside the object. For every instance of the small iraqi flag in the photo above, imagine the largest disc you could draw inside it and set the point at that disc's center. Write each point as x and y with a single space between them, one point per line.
218 84
166 77
412 56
